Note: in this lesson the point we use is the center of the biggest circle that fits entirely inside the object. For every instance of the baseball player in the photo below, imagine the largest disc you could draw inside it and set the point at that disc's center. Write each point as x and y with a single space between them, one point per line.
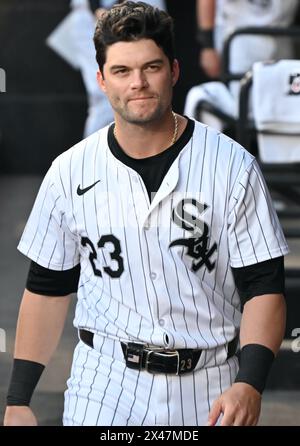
217 19
166 231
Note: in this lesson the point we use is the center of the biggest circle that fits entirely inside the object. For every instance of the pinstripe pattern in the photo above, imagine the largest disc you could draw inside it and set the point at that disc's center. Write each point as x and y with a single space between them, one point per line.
135 286
173 296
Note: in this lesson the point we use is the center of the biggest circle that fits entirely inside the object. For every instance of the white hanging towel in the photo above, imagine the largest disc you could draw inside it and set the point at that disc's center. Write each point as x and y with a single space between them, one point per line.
276 110
61 38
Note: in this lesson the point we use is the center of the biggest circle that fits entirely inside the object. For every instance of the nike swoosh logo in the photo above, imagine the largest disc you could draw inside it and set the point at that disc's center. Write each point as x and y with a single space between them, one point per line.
83 191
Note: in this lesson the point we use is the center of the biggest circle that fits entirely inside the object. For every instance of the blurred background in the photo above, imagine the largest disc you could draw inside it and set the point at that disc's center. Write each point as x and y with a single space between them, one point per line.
44 109
42 114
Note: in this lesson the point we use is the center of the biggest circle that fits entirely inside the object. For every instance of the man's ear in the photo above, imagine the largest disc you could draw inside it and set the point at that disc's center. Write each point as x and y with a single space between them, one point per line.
101 81
175 71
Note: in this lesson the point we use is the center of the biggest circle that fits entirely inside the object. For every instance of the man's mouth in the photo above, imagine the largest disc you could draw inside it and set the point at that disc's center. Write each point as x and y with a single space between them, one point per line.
142 98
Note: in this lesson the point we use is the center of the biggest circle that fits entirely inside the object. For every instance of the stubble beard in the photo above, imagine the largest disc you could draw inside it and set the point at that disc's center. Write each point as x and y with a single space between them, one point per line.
138 118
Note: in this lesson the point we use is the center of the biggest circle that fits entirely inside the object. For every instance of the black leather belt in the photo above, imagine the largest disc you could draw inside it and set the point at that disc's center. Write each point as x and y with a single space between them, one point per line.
158 360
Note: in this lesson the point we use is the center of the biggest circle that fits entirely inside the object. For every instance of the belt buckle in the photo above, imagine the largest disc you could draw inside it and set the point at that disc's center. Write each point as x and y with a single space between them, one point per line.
162 353
133 355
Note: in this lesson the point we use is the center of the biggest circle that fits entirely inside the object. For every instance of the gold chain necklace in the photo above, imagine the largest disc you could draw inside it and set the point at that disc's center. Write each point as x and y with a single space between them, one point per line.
175 134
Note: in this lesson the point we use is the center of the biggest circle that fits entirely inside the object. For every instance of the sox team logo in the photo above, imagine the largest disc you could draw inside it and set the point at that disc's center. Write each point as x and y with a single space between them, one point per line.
197 246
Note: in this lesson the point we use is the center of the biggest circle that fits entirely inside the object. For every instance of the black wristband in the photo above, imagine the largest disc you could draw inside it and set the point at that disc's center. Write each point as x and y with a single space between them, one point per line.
25 376
255 363
205 38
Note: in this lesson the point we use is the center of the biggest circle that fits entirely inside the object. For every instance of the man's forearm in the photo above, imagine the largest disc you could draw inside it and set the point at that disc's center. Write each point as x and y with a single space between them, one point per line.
40 324
263 321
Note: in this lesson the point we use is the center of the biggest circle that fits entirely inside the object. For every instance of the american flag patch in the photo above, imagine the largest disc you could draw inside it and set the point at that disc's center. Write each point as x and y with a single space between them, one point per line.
133 358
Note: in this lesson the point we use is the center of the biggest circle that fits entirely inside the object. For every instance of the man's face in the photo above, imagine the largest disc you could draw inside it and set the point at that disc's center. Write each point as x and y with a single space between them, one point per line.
138 80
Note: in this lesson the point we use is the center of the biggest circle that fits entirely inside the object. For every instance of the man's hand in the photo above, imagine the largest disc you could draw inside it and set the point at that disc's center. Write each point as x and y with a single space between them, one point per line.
240 406
19 416
210 62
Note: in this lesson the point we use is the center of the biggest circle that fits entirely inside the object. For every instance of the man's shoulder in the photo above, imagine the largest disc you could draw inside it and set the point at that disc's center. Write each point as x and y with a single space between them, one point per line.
83 149
67 168
218 141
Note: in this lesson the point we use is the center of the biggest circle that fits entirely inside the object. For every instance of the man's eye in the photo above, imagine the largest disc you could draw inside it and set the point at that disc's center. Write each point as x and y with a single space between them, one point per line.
152 68
121 71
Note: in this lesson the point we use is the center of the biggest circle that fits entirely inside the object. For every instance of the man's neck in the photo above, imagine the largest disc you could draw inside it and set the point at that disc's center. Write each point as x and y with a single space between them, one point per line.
148 140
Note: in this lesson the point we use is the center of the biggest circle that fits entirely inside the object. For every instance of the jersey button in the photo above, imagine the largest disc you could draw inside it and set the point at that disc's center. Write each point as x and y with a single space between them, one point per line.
146 226
161 322
153 276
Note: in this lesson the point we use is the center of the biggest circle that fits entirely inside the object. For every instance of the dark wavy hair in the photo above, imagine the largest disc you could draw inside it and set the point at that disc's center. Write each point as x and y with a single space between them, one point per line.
132 21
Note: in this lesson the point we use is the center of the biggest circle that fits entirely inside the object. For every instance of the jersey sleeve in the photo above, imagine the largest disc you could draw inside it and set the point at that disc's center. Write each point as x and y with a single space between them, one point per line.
47 240
254 231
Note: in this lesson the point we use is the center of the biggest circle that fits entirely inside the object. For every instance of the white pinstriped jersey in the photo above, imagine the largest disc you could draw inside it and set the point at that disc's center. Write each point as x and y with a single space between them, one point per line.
155 272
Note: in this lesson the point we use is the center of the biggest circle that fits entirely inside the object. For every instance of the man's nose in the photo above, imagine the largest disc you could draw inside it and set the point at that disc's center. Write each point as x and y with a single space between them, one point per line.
139 80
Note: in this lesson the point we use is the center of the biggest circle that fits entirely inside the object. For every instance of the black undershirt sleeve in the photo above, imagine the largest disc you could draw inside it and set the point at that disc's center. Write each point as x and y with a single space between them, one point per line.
48 282
253 280
261 278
